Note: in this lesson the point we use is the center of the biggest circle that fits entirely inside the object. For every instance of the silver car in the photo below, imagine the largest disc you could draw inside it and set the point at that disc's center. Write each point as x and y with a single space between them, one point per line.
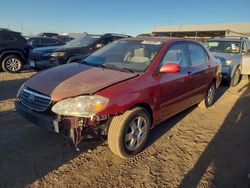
234 54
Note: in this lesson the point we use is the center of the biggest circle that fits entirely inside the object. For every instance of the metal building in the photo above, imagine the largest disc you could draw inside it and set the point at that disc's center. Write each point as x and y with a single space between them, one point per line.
204 31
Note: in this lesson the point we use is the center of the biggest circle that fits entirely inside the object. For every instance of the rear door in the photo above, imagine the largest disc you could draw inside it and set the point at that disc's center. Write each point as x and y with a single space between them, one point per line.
246 58
9 41
175 88
201 71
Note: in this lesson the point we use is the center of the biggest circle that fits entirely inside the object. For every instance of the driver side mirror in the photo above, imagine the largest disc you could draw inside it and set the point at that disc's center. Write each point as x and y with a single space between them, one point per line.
99 45
170 68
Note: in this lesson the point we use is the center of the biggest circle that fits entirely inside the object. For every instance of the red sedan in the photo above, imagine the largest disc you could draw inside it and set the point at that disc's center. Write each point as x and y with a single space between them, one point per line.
122 90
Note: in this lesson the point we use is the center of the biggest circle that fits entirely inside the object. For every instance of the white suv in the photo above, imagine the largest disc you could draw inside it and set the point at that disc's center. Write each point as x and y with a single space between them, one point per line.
234 54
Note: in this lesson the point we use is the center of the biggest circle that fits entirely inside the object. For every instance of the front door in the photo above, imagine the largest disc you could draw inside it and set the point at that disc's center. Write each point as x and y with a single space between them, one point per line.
246 59
175 88
201 71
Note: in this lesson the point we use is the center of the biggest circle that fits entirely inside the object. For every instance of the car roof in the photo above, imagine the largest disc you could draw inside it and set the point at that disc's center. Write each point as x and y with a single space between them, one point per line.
40 37
160 39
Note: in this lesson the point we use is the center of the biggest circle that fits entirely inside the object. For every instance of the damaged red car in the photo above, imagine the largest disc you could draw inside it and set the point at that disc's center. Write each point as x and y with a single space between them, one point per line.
122 90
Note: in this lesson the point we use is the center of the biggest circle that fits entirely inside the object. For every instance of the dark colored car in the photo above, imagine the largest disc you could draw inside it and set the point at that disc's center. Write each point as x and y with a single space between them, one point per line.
48 34
122 90
75 50
151 35
14 50
38 42
63 38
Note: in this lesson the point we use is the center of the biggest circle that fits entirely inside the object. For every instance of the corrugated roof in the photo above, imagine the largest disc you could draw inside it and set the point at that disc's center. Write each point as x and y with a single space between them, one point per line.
236 27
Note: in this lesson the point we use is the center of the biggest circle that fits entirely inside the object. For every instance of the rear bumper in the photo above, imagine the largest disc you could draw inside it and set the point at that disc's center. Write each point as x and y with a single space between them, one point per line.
49 122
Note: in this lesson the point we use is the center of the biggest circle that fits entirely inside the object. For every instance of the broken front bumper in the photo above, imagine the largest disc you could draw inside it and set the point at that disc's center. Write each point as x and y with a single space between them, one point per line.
49 122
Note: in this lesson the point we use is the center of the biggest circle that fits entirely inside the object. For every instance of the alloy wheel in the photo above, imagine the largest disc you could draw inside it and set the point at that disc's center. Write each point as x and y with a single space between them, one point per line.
13 64
136 133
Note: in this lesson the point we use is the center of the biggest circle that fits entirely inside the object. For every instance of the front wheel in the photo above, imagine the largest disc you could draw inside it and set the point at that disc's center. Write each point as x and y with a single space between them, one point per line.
236 78
209 97
128 133
12 64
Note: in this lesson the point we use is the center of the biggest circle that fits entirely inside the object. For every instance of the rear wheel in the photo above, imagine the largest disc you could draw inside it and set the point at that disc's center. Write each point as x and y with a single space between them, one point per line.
236 78
12 64
209 97
129 132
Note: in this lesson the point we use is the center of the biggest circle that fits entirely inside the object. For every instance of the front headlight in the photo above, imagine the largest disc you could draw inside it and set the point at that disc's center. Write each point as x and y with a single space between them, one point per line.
228 62
82 106
57 54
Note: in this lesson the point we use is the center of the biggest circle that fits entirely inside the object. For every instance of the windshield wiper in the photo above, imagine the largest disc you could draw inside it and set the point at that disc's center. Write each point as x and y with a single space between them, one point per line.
111 66
108 66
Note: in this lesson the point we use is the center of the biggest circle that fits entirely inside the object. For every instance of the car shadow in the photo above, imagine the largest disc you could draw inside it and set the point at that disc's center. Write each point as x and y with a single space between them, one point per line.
161 129
228 152
29 152
6 91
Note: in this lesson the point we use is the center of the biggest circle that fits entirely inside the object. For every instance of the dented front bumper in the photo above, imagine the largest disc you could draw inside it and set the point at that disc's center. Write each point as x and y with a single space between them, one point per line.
49 122
72 127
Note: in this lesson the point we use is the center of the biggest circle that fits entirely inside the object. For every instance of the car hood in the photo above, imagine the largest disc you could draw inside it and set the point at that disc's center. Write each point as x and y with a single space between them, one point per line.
52 49
75 79
225 56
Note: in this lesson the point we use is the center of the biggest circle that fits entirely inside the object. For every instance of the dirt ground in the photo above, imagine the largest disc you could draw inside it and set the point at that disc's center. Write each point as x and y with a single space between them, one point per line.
196 148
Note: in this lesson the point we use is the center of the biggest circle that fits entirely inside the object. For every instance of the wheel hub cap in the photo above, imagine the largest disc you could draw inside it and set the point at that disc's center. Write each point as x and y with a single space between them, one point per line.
13 64
136 133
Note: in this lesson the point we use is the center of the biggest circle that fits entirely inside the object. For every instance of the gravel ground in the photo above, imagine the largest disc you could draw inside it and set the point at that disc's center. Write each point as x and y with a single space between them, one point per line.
196 148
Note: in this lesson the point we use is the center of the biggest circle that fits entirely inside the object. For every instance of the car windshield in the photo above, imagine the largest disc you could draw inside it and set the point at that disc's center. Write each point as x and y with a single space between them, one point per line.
85 40
223 46
125 55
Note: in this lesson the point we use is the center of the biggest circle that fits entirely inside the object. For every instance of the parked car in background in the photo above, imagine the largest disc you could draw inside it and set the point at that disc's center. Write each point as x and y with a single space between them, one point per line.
64 38
14 50
48 34
234 54
151 35
75 50
122 90
38 42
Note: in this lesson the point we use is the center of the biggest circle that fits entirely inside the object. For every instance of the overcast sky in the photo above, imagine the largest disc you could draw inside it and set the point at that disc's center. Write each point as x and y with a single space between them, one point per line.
128 16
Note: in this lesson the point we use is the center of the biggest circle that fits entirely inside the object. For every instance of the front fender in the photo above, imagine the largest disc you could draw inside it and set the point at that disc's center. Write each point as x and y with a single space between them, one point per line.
12 52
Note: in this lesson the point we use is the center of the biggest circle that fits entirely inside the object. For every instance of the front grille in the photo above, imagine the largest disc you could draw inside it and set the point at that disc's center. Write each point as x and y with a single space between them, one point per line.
34 101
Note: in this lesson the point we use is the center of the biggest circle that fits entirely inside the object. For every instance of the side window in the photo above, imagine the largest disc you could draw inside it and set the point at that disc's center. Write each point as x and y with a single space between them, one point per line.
35 41
197 54
106 41
244 46
8 37
176 54
48 41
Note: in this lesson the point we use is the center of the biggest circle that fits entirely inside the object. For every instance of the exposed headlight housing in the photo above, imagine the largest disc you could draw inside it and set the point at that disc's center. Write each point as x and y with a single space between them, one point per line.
57 54
82 106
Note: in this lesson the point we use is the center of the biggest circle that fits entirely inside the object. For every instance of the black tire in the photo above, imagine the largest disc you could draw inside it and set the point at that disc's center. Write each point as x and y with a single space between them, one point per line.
122 128
36 69
12 64
209 97
236 78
